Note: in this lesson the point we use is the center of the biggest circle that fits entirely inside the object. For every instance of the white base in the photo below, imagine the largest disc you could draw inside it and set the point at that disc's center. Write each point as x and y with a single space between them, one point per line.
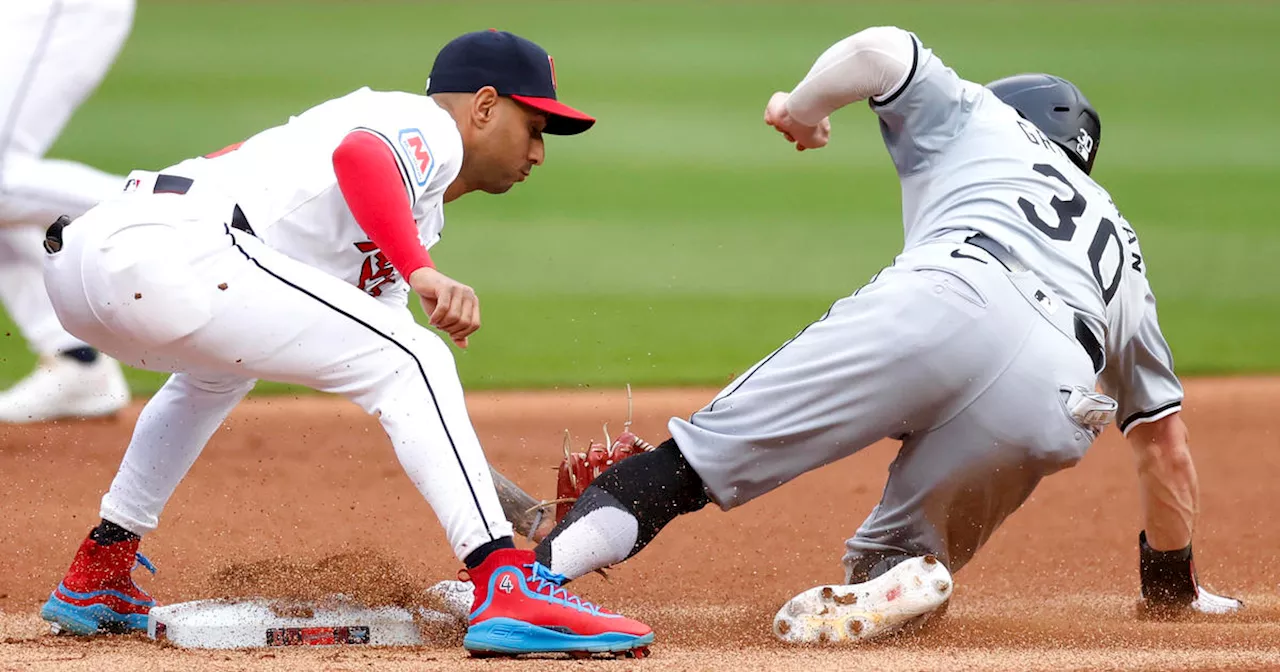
227 624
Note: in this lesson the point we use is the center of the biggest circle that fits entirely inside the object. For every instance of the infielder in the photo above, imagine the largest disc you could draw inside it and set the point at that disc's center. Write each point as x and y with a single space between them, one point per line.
1020 287
290 257
53 54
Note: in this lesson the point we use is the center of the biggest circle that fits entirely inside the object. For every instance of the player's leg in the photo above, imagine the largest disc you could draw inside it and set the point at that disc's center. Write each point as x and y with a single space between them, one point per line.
52 56
71 379
901 355
236 306
954 483
98 594
193 296
405 376
950 488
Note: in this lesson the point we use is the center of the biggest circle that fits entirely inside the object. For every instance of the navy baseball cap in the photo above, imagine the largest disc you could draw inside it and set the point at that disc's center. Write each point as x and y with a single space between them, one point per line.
516 67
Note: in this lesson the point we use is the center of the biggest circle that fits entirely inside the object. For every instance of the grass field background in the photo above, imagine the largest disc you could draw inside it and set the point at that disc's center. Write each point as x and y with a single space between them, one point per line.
680 240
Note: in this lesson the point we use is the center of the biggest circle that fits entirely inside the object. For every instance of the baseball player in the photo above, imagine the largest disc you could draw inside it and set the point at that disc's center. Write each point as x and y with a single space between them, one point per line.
1020 287
53 54
290 257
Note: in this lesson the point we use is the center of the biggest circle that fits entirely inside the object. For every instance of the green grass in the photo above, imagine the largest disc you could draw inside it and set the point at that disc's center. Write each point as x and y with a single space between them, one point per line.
679 241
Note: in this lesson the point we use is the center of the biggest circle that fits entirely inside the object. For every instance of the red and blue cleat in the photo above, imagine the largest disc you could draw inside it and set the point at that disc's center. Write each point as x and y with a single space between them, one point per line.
98 595
519 607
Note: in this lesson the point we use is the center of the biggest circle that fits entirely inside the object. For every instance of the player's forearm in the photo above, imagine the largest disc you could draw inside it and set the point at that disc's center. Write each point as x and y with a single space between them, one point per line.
873 62
1168 487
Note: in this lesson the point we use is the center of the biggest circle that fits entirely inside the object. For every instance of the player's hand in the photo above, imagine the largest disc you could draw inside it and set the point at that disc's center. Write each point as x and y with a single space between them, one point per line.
451 306
804 137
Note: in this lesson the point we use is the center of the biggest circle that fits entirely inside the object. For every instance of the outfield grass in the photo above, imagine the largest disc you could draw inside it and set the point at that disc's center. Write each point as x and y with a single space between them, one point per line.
680 240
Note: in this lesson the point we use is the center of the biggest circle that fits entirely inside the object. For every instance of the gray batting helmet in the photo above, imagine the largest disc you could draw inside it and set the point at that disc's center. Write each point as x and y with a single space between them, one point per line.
1058 108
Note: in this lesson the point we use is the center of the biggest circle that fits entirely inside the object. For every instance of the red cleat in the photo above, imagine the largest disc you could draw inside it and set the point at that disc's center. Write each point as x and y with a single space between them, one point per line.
519 607
98 594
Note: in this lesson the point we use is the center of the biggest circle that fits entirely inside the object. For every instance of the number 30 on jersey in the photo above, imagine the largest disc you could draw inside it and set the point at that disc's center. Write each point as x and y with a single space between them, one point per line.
1068 211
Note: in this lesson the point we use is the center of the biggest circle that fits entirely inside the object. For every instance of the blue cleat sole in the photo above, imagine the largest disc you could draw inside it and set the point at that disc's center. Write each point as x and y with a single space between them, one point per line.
512 637
95 619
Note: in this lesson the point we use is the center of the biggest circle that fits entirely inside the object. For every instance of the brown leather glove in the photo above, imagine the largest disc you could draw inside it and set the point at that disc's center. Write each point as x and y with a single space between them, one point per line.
578 470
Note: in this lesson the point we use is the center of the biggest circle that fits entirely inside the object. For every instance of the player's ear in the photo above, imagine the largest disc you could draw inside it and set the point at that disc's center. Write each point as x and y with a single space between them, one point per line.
484 106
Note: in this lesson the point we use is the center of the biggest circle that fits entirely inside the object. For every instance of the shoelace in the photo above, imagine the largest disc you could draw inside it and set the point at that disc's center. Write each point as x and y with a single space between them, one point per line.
550 582
142 560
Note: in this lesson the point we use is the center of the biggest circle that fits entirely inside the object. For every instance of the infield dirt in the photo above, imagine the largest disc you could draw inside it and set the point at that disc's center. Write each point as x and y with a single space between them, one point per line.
303 496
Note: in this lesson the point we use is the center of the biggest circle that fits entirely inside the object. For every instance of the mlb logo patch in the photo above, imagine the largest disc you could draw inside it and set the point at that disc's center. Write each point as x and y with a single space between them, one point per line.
415 149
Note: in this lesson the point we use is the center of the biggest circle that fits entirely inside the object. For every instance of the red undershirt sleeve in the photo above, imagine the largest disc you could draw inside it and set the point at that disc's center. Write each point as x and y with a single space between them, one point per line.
371 182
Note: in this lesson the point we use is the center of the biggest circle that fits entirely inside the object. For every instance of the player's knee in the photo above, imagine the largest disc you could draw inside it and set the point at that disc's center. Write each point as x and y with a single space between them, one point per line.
216 386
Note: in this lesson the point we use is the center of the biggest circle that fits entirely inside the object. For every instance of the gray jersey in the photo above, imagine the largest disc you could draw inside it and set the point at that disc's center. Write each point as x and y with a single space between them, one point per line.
967 161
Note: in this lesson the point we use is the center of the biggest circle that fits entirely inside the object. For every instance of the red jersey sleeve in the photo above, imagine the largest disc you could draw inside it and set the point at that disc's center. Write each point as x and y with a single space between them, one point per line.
372 184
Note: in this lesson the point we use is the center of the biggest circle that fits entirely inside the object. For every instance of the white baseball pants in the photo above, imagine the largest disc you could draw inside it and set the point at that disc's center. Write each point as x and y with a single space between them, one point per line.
162 282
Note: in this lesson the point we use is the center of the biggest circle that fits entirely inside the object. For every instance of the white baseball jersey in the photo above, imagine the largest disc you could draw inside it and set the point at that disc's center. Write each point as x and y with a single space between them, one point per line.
967 161
283 180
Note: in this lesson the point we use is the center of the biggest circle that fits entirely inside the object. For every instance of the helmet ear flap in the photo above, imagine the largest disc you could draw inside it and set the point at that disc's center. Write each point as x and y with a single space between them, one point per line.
1088 138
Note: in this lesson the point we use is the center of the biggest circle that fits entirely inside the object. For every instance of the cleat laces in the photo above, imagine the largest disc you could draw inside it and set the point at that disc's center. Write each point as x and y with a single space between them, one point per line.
549 583
144 562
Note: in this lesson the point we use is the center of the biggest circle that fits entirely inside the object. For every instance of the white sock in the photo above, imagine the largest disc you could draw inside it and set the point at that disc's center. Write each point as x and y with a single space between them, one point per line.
601 538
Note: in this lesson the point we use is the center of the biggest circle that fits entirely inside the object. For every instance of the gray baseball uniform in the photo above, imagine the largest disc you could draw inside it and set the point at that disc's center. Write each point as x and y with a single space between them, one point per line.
980 354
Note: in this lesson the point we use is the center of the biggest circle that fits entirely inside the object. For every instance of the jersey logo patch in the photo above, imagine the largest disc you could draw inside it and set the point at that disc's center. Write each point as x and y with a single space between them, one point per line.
375 271
416 150
1047 301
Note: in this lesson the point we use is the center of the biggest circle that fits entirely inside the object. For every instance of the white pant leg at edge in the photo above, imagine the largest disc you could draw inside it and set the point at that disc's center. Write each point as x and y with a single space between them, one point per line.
151 295
23 295
53 54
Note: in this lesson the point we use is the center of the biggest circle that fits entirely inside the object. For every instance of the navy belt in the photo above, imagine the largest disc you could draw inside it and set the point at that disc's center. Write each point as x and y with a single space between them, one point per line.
1084 335
176 184
165 184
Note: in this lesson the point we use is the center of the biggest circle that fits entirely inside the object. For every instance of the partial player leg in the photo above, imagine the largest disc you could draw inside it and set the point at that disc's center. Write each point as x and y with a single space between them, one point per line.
622 511
71 379
22 292
951 487
172 430
52 56
97 594
200 297
405 376
903 354
234 306
954 483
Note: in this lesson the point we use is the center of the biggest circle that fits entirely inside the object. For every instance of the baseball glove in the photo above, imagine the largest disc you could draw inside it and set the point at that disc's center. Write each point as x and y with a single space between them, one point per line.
578 470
